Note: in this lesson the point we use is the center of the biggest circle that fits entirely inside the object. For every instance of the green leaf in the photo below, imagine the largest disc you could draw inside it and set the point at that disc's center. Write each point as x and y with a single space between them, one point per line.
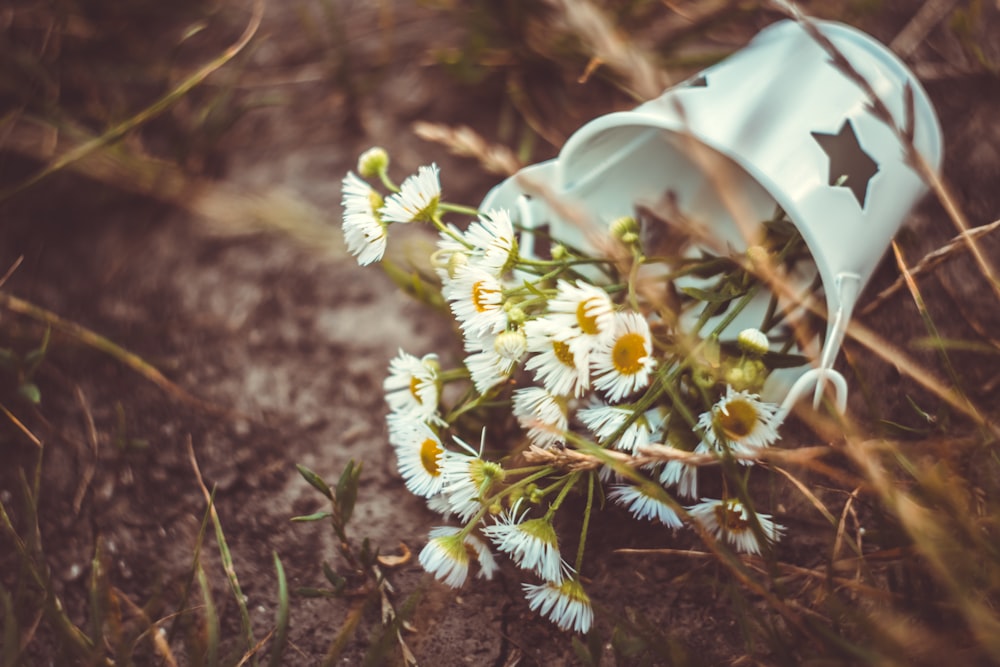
338 581
776 360
317 516
315 480
347 491
707 295
35 357
30 392
584 654
8 359
626 644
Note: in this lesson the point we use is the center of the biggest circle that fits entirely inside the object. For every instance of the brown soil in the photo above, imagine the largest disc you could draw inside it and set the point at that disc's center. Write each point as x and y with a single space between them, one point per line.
296 343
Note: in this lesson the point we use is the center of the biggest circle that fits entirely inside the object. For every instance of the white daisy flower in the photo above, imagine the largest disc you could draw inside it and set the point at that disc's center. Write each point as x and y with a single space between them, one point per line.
494 245
487 563
476 298
644 506
741 423
413 386
439 505
558 368
452 253
417 198
493 358
531 543
606 420
682 477
401 426
731 520
566 604
585 310
468 480
447 556
542 415
420 457
364 232
623 363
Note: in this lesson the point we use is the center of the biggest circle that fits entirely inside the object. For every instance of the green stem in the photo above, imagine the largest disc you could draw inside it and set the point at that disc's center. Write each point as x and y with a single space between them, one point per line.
486 504
568 483
383 175
740 305
586 523
458 208
453 374
448 231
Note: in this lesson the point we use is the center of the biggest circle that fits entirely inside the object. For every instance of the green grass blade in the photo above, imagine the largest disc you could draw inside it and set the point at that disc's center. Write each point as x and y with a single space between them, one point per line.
211 620
281 631
11 631
234 582
226 556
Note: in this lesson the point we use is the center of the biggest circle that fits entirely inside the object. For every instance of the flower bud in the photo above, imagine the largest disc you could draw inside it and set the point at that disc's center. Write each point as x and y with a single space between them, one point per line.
623 227
511 345
753 341
373 162
456 261
515 314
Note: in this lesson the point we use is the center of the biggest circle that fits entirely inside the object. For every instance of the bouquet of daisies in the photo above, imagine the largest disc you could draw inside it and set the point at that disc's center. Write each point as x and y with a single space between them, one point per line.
602 376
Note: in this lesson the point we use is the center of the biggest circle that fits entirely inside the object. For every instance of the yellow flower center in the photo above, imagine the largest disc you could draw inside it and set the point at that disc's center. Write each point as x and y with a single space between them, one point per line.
588 323
737 419
731 518
563 353
628 353
481 295
430 450
414 389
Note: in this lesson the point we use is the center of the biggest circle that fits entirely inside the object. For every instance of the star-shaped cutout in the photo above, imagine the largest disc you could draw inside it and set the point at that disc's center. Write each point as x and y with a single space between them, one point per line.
700 81
850 165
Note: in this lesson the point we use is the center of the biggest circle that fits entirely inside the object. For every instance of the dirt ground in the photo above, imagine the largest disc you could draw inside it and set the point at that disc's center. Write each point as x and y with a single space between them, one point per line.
295 343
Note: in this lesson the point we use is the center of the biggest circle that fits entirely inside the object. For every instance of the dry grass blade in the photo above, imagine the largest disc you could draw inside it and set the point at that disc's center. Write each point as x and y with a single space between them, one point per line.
910 368
610 46
227 208
842 529
20 426
118 131
11 270
466 142
156 636
99 342
878 109
87 476
929 15
931 261
804 490
947 200
932 534
224 553
928 321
